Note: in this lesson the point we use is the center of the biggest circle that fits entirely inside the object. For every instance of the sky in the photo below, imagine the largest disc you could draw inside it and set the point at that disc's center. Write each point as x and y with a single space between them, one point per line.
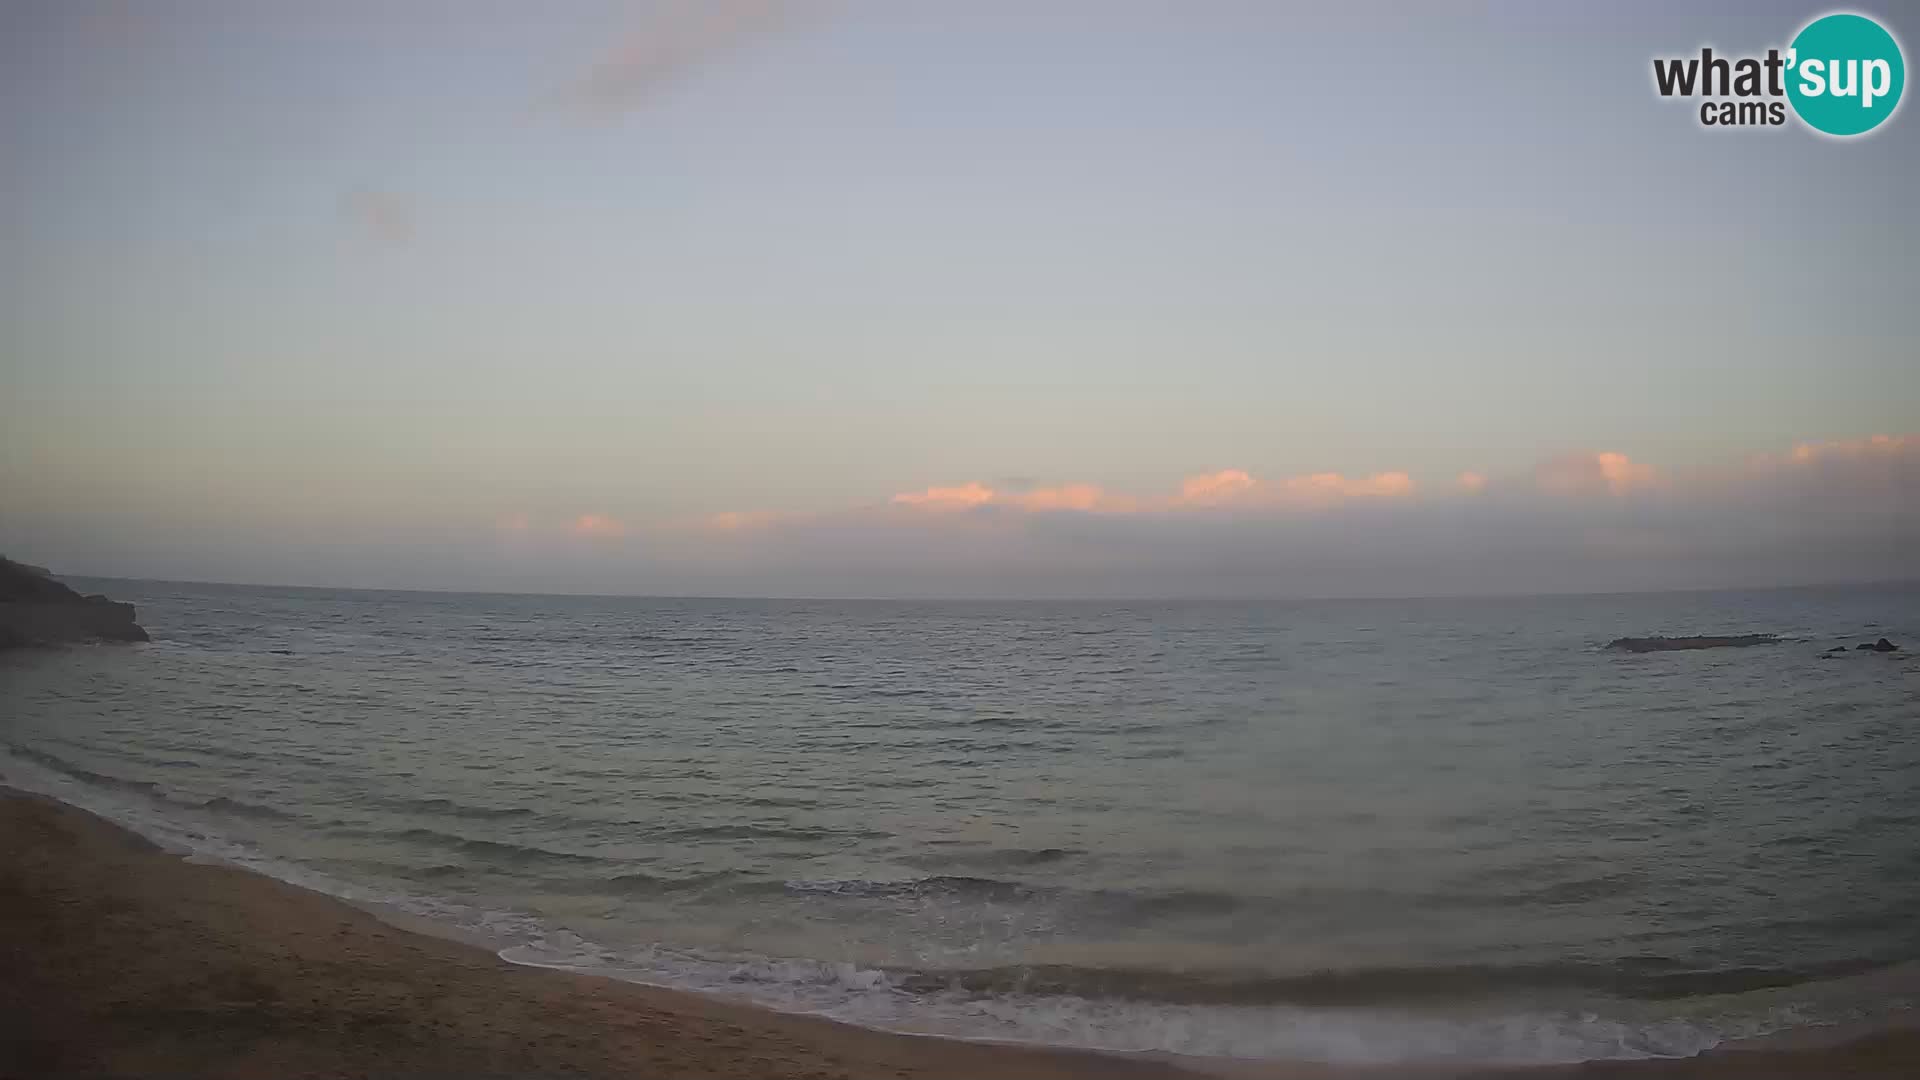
943 299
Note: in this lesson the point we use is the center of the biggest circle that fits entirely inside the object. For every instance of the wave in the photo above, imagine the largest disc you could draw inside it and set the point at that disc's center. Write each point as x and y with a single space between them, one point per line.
151 789
675 639
1352 1017
777 803
1646 979
1039 1006
227 752
1138 905
503 852
993 889
80 772
768 832
1009 858
975 888
242 808
456 809
635 883
1106 905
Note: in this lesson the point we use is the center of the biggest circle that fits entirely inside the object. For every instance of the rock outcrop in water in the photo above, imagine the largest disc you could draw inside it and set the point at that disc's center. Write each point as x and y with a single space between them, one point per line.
1675 644
37 610
1883 645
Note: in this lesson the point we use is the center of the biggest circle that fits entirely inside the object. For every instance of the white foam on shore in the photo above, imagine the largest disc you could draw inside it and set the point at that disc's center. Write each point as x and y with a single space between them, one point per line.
868 997
1337 1036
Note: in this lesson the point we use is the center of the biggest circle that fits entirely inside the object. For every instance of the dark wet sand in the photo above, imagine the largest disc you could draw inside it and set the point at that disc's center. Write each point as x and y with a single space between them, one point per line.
120 960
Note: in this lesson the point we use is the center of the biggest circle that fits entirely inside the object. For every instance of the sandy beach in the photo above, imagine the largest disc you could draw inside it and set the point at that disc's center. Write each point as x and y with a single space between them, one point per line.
124 960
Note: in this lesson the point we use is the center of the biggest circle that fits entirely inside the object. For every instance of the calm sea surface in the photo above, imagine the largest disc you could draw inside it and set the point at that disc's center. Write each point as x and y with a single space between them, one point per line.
1347 831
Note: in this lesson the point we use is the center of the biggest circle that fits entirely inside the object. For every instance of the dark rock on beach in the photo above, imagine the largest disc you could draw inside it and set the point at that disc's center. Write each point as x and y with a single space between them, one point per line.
1676 644
37 610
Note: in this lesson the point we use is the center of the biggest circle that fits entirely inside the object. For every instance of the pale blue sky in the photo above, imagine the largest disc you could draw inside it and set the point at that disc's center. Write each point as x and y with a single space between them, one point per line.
879 247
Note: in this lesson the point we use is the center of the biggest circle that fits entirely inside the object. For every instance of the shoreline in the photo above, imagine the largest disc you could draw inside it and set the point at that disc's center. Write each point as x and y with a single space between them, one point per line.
128 960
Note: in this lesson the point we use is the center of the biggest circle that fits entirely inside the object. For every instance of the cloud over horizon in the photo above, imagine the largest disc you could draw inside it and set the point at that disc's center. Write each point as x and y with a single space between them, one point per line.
1225 488
1590 521
1843 510
598 525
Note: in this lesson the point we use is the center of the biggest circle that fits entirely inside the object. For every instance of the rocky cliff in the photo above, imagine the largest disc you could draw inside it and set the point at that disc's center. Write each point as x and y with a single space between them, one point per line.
37 610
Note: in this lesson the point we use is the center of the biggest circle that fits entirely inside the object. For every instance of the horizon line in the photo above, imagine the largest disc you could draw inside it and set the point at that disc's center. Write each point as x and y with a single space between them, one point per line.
1169 598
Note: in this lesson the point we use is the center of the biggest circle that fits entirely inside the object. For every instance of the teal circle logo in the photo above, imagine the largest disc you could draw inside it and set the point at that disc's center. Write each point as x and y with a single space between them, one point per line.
1845 74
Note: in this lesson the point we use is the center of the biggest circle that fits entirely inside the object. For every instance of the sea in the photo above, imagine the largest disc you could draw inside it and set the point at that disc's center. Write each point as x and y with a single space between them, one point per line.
1365 831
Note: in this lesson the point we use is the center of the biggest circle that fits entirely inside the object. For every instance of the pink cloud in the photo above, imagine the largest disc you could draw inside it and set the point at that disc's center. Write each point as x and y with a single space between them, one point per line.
1216 488
1222 488
598 525
385 216
1237 487
1589 473
1854 500
1586 520
1322 486
742 520
964 497
1623 475
1875 446
1881 467
1085 498
678 37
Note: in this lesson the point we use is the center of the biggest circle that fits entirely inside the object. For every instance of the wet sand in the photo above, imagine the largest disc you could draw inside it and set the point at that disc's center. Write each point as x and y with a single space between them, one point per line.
120 960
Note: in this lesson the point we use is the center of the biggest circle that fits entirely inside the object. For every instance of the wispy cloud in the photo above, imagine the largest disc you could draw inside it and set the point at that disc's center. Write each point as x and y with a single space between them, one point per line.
598 525
1322 488
383 216
1222 489
1589 473
742 520
1819 511
1878 447
1217 488
1083 498
1239 488
675 38
964 497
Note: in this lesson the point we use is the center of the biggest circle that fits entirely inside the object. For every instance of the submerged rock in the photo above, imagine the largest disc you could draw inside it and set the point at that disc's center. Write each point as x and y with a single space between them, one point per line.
1675 644
37 610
